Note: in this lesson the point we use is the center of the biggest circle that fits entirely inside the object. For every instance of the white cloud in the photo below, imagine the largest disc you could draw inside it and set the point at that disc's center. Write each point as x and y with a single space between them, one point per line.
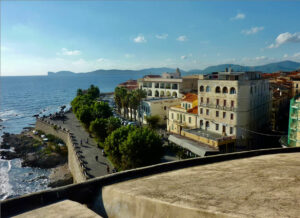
67 52
238 16
140 39
260 58
100 59
285 38
181 38
297 55
285 55
129 55
161 36
253 30
183 57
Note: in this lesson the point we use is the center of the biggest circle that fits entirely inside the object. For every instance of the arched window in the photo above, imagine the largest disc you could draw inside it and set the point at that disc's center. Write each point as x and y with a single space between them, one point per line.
156 94
232 90
149 92
201 89
162 93
207 89
174 94
168 93
218 89
207 124
225 90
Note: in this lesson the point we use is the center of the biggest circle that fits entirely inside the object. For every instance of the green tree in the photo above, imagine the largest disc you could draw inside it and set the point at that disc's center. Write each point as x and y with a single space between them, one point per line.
98 128
117 97
93 91
131 147
85 115
113 123
140 95
79 92
153 121
101 110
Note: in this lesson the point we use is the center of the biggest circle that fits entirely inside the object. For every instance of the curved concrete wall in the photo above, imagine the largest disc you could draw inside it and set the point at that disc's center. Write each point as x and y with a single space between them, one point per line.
90 192
76 168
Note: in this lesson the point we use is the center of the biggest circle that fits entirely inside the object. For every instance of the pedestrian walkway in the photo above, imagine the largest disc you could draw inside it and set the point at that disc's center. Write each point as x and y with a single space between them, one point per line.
96 166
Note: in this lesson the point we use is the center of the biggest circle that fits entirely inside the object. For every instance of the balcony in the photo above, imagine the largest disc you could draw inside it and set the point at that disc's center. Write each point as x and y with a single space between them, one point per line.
213 106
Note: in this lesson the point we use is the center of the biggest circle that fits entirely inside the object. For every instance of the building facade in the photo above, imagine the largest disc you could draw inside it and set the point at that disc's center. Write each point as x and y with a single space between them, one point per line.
294 122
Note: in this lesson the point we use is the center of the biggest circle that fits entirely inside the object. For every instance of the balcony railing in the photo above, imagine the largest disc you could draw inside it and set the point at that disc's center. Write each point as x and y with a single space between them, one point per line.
213 106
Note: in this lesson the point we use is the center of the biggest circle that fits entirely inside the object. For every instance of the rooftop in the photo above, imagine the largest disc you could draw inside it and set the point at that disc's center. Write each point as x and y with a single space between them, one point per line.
193 110
262 186
190 97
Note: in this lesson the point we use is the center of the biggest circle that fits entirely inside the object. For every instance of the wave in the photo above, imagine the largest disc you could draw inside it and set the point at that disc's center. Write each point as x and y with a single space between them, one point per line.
5 186
10 114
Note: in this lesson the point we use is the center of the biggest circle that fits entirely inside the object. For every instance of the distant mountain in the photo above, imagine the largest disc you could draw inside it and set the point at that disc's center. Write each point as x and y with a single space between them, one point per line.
267 68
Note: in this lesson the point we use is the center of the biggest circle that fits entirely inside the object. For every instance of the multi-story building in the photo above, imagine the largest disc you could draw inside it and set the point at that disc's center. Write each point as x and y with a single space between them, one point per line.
184 115
129 85
157 106
294 122
168 85
234 104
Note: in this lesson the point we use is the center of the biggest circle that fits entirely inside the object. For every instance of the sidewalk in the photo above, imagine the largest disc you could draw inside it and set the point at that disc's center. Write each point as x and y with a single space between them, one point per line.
89 146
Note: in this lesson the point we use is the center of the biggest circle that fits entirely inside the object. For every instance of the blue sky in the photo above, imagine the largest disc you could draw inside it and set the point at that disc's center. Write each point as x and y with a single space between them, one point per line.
81 36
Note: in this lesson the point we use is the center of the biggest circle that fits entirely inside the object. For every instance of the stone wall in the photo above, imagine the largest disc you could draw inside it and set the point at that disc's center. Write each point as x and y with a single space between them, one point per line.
91 193
76 166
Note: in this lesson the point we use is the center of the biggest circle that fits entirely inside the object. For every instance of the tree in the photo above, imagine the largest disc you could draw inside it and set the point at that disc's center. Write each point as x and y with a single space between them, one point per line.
117 98
131 147
101 110
93 91
140 94
79 92
153 121
85 115
113 123
98 127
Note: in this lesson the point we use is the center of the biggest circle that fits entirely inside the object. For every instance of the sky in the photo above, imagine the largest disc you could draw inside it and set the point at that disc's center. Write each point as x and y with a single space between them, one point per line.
82 36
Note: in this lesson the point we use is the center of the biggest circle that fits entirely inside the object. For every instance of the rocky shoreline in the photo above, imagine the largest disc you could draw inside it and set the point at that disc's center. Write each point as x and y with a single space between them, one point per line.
34 152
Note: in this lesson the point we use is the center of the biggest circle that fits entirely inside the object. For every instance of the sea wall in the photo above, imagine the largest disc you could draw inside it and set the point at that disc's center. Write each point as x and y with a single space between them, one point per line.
91 193
76 166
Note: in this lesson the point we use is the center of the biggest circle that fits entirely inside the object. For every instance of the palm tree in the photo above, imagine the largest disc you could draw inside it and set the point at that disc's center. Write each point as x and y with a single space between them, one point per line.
140 94
118 98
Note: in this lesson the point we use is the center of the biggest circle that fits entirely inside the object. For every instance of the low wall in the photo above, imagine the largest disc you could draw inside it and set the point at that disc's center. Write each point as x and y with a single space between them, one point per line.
75 165
90 192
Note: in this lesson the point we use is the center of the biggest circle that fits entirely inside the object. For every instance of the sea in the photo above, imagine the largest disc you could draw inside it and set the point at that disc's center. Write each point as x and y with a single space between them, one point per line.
21 97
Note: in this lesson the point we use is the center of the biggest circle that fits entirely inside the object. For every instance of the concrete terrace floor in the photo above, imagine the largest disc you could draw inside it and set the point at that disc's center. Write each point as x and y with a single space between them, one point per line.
262 186
89 150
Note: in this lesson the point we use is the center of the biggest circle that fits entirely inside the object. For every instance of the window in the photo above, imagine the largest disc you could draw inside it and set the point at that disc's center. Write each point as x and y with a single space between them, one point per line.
183 117
217 113
201 110
224 115
207 124
201 89
190 120
225 90
231 116
162 85
189 106
232 90
218 89
207 100
156 85
201 99
217 126
231 130
232 103
218 101
172 126
251 90
207 89
165 107
207 112
224 103
201 123
177 116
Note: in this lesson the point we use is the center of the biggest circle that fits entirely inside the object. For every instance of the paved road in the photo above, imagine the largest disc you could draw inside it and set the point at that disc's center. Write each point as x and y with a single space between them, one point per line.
89 146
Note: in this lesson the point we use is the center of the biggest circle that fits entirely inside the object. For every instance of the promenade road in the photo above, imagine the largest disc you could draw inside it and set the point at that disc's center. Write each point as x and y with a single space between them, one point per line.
89 149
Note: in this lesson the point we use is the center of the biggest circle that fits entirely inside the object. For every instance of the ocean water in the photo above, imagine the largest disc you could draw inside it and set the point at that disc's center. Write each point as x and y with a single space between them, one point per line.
20 99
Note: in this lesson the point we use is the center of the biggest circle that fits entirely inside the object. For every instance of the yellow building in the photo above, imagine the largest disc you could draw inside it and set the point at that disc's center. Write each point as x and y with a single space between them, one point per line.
183 115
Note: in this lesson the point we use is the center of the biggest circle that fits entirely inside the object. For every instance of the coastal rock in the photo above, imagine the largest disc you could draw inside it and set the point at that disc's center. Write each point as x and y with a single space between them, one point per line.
60 176
8 155
43 161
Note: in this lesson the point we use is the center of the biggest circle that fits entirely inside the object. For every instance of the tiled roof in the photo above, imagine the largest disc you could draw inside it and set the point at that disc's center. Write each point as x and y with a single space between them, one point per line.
190 97
193 110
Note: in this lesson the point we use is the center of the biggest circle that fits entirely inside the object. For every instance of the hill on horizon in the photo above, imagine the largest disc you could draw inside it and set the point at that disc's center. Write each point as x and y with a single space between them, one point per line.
267 68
